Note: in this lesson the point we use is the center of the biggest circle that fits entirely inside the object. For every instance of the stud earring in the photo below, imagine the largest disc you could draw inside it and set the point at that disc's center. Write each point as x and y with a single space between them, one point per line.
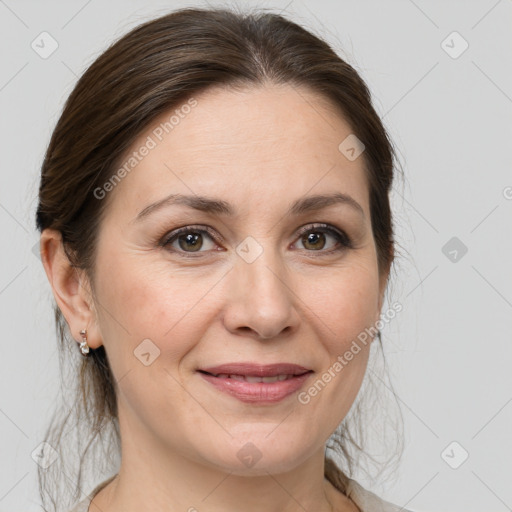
84 348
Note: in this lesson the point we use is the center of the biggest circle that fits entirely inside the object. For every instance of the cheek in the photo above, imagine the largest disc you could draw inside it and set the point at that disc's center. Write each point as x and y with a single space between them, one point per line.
141 301
145 310
346 303
349 308
345 311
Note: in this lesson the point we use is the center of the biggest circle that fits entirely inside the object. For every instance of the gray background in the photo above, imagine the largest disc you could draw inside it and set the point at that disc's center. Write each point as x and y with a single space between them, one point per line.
449 350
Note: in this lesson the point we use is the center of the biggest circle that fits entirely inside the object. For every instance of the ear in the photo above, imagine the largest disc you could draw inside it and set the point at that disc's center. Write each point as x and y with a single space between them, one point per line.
70 287
383 281
382 290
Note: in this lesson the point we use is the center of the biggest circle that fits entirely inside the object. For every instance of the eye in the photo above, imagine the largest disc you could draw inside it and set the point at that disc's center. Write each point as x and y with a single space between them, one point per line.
315 238
188 240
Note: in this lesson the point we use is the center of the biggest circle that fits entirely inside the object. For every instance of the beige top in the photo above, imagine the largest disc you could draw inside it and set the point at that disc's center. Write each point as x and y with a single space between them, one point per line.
365 500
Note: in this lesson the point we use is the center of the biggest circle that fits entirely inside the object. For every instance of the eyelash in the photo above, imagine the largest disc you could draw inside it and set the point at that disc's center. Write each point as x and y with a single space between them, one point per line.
344 241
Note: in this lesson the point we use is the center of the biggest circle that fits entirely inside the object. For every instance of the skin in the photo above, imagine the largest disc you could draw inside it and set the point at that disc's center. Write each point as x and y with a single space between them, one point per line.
259 149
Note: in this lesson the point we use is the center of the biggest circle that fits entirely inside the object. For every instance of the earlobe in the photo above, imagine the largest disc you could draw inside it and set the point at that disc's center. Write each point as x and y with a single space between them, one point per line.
70 288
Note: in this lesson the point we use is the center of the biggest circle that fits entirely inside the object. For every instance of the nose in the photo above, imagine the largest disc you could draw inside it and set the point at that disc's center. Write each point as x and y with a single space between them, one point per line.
260 300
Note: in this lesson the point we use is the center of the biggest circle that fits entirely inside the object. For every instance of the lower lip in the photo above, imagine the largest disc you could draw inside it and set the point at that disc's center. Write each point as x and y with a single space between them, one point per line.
257 392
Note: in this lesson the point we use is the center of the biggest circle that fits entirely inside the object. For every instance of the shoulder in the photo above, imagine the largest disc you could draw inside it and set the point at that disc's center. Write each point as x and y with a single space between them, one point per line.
368 501
364 499
83 506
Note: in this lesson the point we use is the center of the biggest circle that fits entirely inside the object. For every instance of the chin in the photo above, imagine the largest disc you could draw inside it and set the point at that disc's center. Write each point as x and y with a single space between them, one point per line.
260 454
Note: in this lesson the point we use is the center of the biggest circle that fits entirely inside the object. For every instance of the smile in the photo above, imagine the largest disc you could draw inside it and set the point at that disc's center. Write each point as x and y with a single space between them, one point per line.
254 378
257 384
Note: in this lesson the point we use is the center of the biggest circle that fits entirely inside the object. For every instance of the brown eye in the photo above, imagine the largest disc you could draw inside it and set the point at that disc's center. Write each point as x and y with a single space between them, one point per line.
318 237
314 240
192 241
189 240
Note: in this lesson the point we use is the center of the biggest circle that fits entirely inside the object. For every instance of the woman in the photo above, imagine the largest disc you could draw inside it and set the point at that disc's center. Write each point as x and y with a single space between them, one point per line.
216 228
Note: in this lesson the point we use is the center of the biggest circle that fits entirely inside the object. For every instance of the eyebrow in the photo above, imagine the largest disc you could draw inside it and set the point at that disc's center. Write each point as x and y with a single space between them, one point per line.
219 207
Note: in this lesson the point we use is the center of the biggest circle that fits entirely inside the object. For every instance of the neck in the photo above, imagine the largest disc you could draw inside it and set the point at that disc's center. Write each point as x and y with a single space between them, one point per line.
157 478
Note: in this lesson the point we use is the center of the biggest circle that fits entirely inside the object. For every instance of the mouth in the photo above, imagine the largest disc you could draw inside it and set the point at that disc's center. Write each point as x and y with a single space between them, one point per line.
251 378
253 383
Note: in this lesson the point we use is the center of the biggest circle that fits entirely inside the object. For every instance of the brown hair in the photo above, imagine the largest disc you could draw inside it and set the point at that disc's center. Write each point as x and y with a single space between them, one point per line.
150 70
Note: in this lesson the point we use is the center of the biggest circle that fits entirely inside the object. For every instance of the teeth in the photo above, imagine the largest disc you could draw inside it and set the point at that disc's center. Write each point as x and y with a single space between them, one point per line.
253 378
250 378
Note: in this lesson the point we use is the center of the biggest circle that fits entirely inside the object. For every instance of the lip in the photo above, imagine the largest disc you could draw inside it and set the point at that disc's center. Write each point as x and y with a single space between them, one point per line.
256 392
258 370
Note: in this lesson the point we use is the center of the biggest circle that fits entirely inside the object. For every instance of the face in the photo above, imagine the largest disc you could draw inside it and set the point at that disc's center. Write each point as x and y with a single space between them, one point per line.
263 276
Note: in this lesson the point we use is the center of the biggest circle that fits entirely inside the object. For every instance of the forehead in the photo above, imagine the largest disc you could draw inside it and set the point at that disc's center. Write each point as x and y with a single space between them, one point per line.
253 145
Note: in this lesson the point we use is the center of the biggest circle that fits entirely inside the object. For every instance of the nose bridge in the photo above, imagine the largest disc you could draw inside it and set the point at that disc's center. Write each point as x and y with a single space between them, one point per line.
259 263
261 297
